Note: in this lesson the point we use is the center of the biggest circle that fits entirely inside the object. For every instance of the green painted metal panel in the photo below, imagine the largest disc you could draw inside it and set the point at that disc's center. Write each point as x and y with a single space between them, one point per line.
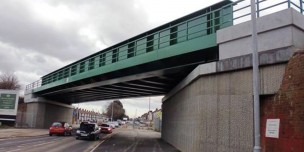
141 46
91 63
197 27
74 70
188 46
82 67
123 53
182 33
115 55
131 50
226 16
164 39
150 43
66 72
156 43
109 57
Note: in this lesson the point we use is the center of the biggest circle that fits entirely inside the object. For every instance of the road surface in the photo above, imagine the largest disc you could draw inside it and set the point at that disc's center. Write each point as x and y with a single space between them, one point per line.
121 140
47 144
135 140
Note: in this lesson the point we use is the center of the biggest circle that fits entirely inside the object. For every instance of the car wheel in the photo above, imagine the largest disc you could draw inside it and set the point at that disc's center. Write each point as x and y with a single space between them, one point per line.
94 137
50 134
77 138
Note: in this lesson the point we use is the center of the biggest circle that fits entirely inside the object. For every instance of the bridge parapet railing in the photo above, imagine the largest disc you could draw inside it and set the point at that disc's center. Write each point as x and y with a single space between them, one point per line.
241 9
207 23
33 85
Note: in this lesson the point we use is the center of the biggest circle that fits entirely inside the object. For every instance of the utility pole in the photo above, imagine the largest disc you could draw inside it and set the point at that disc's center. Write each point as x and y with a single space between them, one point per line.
134 118
149 113
112 111
256 80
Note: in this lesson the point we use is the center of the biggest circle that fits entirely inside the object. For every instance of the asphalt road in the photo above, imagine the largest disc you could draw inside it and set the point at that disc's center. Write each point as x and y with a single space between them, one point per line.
135 140
121 140
47 144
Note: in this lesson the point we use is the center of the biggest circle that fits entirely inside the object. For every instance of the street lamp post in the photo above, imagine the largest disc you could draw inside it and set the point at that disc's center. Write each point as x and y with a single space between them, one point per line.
256 81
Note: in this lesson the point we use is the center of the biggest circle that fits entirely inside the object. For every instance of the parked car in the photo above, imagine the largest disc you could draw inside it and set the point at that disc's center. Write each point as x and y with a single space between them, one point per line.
116 124
121 122
112 125
105 128
88 130
60 128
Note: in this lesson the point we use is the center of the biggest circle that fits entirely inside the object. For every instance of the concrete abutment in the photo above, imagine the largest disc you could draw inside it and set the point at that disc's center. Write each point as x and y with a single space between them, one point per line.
41 113
212 108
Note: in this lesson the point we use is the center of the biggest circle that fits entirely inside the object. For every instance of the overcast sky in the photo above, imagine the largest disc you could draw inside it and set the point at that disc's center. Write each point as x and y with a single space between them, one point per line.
38 37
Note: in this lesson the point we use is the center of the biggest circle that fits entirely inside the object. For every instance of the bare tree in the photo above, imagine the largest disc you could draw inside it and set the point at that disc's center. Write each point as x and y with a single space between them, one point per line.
9 81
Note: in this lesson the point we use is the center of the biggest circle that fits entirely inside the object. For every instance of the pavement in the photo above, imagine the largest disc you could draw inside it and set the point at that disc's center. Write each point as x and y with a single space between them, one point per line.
22 132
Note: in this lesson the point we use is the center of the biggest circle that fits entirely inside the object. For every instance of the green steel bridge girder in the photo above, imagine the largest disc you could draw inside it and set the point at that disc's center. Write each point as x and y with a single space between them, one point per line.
189 37
178 49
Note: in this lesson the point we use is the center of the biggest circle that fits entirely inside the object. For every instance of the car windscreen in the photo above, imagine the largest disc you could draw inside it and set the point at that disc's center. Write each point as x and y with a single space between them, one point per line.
105 125
56 124
87 127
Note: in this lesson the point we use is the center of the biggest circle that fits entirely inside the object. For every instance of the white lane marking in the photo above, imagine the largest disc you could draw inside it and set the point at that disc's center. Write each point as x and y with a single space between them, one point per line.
13 150
26 140
40 143
47 142
105 138
26 144
97 145
133 144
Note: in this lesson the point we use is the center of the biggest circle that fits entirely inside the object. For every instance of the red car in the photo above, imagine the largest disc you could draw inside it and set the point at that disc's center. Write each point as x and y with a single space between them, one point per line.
60 128
105 128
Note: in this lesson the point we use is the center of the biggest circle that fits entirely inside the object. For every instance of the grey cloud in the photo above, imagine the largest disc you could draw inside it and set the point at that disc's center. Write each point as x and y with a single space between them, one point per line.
113 21
118 20
33 47
27 65
21 30
143 102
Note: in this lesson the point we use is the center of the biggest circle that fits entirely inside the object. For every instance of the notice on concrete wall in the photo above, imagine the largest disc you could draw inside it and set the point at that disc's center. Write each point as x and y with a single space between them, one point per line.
272 128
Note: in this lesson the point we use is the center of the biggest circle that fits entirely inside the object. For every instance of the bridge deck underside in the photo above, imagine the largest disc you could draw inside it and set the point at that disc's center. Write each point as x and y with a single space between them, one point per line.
155 78
138 88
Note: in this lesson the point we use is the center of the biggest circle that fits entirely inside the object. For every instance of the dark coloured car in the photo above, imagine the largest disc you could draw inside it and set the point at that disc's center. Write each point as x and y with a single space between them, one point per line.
88 130
60 128
105 128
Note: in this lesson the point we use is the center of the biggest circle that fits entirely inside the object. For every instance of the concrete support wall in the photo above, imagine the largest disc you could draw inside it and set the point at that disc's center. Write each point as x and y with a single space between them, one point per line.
41 113
35 113
215 112
212 108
